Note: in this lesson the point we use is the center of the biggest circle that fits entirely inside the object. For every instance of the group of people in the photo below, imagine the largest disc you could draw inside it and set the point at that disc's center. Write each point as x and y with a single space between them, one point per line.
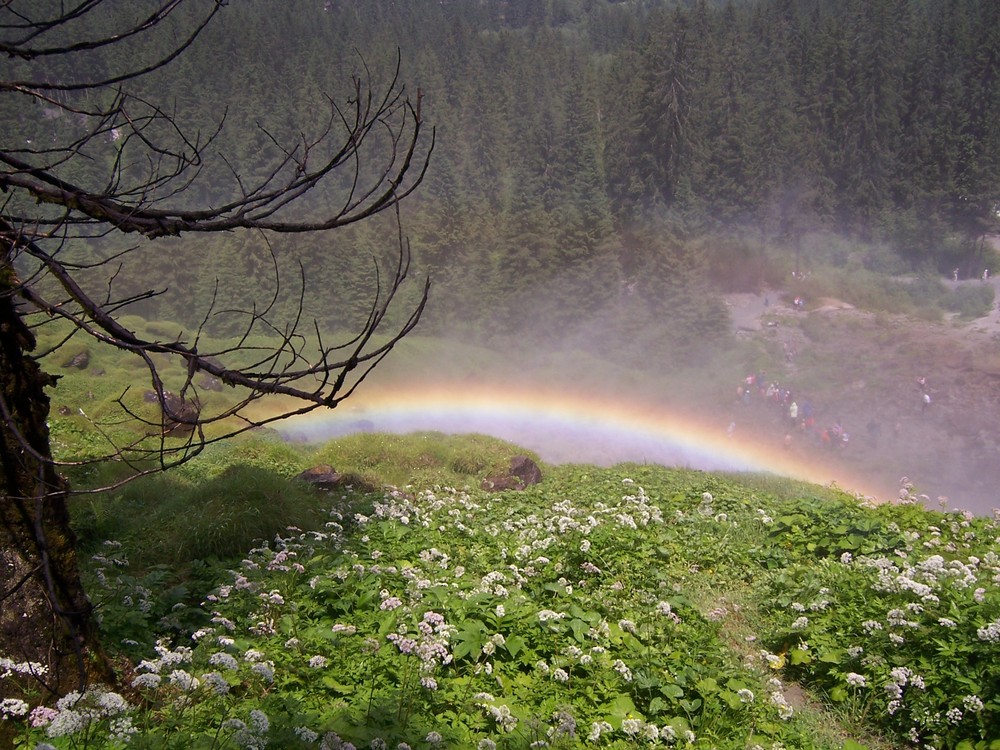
797 416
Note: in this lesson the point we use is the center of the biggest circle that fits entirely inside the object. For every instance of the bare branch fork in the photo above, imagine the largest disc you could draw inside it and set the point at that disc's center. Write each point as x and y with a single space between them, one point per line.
371 152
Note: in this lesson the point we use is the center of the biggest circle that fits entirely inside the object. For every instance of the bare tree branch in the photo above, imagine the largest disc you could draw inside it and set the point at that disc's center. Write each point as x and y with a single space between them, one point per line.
368 155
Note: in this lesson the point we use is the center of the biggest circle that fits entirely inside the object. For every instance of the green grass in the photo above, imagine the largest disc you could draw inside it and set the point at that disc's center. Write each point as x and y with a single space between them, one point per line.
239 494
229 554
683 590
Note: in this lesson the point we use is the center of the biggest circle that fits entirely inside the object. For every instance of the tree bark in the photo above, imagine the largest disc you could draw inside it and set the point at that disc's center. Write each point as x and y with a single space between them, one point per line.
45 616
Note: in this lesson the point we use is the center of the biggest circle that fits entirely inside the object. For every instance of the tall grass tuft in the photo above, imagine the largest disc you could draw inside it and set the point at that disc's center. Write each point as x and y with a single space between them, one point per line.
218 518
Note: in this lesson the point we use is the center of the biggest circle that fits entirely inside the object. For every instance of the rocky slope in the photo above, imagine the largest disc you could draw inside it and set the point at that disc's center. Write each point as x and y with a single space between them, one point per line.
868 372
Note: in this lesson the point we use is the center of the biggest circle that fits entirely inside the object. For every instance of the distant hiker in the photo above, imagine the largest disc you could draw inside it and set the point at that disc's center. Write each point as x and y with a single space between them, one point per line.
925 401
922 384
986 274
793 412
954 275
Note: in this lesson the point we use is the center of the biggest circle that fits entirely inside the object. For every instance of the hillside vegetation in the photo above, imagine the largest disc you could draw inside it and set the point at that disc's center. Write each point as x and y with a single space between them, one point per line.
592 609
607 180
632 606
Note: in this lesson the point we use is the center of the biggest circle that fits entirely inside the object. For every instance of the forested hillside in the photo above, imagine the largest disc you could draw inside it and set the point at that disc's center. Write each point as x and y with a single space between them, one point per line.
600 166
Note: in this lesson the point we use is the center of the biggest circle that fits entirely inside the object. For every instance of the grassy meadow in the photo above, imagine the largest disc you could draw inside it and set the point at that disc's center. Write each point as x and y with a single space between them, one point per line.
635 606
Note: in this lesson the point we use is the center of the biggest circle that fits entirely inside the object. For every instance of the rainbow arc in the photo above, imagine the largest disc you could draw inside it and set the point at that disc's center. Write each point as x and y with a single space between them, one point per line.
563 426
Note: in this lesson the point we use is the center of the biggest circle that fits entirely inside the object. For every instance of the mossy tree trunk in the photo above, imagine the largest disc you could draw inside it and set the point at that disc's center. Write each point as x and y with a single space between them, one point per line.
45 616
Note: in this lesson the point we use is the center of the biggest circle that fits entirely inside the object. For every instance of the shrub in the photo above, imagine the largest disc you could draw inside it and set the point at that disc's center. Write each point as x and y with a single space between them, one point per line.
971 301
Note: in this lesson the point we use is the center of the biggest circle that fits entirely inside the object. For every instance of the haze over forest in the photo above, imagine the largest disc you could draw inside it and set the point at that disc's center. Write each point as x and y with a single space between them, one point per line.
602 172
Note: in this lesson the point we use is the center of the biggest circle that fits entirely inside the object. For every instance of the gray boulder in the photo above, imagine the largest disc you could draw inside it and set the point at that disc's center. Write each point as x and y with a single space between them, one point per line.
323 477
522 473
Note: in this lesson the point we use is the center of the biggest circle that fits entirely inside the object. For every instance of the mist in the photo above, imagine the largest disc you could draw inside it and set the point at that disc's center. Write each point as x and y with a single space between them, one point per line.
577 241
585 392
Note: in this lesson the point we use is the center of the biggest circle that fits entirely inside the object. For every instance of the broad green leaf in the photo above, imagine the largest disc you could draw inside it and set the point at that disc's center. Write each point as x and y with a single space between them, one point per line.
672 691
657 705
731 698
469 639
580 629
514 645
340 687
622 707
799 656
707 686
691 706
831 656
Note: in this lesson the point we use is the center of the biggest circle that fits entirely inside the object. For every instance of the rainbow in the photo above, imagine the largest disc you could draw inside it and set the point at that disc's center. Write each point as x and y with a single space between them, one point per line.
563 426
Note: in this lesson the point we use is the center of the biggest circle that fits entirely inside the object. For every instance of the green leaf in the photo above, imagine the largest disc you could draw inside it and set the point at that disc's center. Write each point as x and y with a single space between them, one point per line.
336 686
732 699
691 706
657 706
469 639
831 656
644 681
707 686
672 691
588 616
800 656
622 707
580 629
854 541
514 645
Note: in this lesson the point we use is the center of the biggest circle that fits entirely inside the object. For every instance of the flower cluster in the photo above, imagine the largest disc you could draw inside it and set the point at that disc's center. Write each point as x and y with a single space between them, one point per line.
80 714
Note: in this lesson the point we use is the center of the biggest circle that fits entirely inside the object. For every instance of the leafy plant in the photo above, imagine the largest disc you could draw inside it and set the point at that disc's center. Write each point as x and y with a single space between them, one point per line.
601 607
